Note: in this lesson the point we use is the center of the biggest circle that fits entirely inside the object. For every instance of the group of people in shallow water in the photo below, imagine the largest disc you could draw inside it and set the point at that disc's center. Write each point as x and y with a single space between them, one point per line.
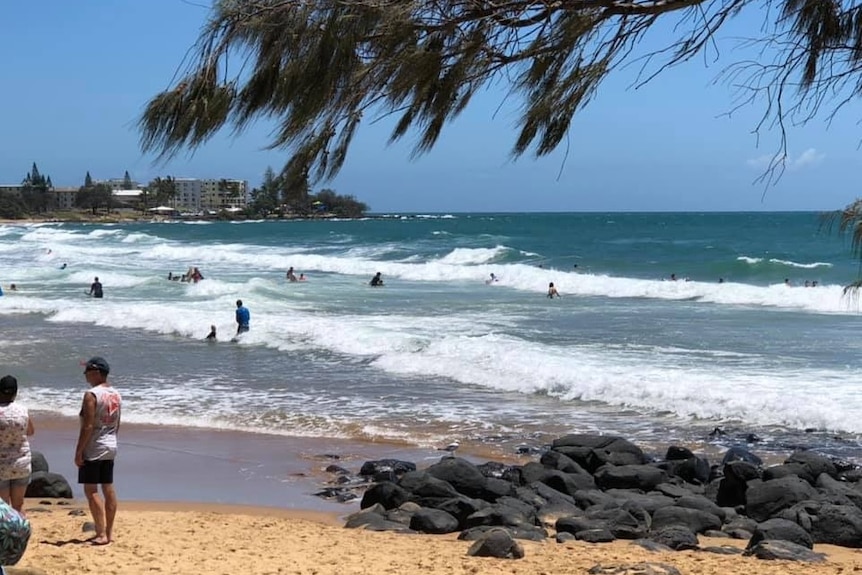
193 275
552 289
291 276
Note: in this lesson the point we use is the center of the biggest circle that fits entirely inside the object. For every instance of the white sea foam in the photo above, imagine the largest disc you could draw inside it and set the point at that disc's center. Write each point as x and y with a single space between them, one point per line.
472 256
481 343
787 263
810 266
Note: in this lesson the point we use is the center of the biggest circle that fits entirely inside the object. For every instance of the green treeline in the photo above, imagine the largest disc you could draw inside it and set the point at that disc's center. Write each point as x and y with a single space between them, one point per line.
274 198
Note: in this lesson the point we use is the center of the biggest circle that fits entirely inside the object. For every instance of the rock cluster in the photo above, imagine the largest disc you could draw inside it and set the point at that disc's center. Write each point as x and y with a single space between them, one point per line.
598 488
43 483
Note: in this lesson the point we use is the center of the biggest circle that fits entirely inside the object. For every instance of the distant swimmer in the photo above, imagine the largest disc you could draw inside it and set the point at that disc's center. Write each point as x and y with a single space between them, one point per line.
62 267
376 281
552 291
787 282
492 279
211 336
302 277
242 317
13 287
291 277
673 277
721 280
96 288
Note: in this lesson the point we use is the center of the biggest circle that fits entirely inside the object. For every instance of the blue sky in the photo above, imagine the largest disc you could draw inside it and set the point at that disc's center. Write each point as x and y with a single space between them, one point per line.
78 74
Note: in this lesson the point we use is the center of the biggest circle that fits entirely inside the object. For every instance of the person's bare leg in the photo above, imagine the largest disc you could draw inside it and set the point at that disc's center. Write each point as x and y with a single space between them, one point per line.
97 510
110 510
16 494
5 492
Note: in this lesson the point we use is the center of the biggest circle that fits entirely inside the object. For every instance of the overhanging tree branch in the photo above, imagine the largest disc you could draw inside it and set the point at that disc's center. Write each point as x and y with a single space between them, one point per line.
318 67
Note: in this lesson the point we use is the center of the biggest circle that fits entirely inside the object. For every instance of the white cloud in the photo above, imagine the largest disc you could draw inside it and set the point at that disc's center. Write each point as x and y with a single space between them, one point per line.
809 158
760 162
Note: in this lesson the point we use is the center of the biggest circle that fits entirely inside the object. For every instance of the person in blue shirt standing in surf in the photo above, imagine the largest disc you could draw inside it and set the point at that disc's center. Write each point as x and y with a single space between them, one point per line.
242 317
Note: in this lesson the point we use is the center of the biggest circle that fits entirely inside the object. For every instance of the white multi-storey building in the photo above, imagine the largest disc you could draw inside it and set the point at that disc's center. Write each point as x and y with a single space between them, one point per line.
119 183
197 195
188 198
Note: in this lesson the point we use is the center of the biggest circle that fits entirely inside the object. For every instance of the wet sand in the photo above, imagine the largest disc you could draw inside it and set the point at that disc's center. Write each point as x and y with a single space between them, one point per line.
164 463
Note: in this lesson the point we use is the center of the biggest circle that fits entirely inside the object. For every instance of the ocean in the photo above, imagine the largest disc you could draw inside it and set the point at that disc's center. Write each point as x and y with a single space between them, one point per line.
438 354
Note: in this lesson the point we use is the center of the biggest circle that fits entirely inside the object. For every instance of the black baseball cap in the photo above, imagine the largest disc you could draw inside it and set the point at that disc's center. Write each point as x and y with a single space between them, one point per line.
97 363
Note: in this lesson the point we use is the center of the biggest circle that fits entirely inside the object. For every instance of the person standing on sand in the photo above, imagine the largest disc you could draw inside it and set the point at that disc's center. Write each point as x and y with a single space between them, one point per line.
97 447
15 460
242 317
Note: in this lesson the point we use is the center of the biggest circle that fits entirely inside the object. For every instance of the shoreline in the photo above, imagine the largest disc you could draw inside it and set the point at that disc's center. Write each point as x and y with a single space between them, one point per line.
166 463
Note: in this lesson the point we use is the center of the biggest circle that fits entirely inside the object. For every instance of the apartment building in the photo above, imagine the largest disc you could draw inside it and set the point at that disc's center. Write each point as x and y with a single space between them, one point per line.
64 197
117 184
198 195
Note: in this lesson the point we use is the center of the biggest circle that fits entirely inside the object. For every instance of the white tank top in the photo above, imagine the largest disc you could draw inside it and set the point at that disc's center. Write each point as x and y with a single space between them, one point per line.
103 441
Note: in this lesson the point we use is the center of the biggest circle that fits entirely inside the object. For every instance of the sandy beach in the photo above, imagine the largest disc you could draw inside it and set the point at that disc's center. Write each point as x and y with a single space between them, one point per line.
178 514
192 539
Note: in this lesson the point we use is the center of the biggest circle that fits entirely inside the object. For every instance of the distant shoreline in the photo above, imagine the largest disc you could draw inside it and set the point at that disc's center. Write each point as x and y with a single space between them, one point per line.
123 219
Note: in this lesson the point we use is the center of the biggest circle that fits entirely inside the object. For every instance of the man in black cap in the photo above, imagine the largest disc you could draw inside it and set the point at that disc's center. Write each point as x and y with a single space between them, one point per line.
97 447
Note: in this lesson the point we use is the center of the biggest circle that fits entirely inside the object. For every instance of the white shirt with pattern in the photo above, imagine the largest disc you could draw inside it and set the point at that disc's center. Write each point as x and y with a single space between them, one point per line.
14 445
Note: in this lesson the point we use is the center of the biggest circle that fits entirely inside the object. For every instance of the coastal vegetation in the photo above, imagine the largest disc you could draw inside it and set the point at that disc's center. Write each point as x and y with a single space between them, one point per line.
93 196
273 199
277 196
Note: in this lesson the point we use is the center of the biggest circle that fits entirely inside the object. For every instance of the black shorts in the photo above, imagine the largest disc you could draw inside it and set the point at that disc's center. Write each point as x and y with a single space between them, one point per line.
241 329
95 472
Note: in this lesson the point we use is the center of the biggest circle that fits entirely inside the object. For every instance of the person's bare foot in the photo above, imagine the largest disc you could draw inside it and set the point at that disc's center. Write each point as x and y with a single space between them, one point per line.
99 540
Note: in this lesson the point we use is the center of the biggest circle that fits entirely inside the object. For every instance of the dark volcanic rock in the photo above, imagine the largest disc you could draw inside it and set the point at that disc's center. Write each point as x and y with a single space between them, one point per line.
643 477
47 484
738 453
395 467
433 521
734 484
497 543
781 529
770 497
694 519
784 550
677 537
465 477
386 493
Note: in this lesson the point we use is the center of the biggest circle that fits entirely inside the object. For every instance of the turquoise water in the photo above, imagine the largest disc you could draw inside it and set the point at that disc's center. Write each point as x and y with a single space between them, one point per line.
439 354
